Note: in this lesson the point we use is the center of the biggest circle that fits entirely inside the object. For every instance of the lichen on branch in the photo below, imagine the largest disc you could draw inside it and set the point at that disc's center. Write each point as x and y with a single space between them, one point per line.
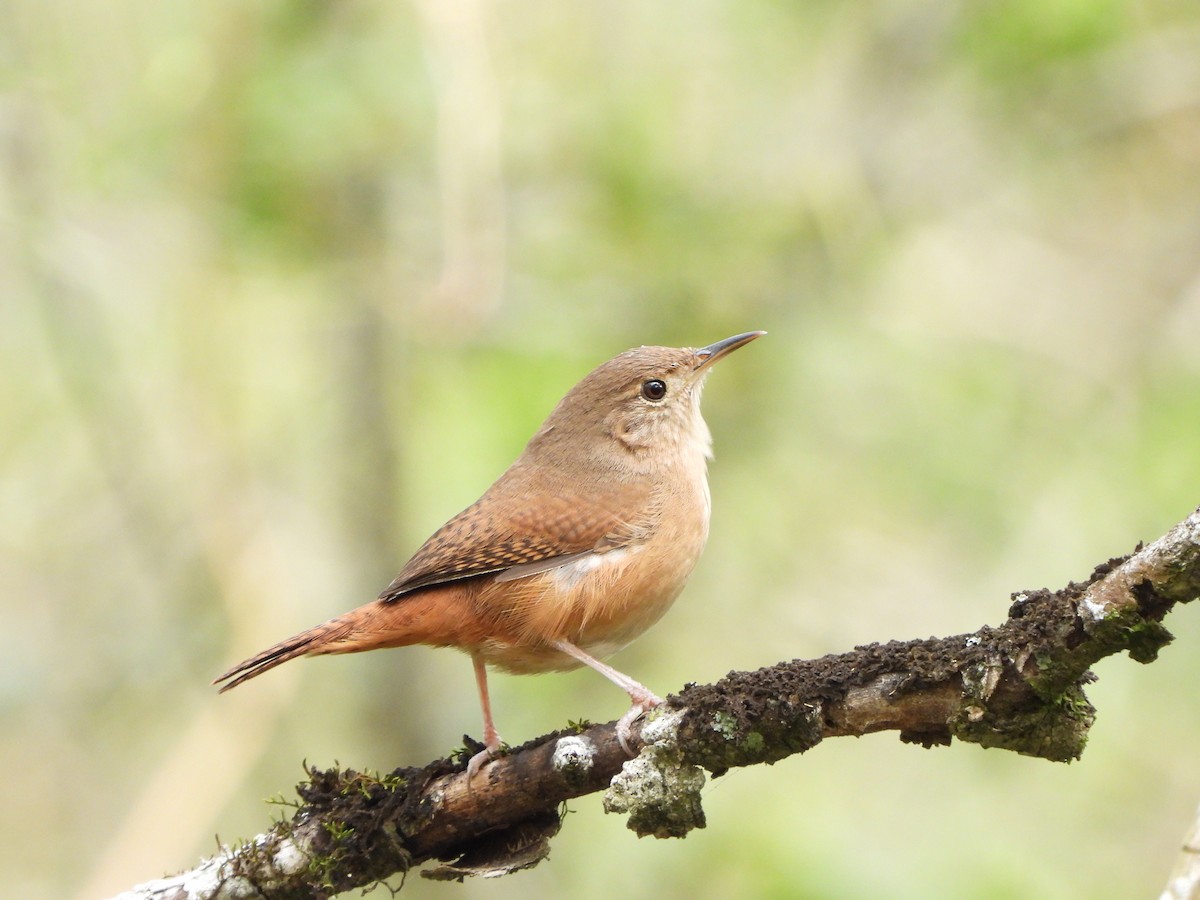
1017 686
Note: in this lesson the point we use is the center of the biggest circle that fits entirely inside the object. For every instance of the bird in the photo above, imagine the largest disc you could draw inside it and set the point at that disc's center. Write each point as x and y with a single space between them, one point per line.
581 545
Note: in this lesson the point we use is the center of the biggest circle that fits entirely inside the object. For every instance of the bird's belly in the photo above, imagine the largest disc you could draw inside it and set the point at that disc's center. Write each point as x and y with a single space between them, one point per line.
599 603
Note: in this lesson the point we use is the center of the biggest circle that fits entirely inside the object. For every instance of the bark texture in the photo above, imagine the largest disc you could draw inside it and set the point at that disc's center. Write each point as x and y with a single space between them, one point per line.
1017 686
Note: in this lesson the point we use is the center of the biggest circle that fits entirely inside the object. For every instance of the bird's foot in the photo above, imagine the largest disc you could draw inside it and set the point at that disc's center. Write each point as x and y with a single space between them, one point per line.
643 702
477 762
491 749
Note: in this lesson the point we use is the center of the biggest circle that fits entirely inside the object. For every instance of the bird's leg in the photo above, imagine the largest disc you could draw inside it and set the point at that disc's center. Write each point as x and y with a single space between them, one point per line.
642 697
491 740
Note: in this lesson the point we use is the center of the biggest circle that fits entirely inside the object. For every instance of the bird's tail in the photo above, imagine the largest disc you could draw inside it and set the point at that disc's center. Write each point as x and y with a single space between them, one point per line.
438 617
316 640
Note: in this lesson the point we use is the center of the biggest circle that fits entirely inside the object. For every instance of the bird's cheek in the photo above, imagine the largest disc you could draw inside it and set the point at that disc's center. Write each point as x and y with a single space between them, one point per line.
631 433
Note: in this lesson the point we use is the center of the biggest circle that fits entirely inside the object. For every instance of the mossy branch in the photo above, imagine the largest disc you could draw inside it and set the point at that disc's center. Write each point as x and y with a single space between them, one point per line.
1017 686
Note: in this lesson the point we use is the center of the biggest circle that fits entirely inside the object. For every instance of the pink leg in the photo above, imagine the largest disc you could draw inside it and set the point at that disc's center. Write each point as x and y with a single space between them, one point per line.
491 740
642 697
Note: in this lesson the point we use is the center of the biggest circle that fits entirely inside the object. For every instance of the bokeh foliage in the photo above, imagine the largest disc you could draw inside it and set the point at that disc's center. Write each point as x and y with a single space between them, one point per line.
285 284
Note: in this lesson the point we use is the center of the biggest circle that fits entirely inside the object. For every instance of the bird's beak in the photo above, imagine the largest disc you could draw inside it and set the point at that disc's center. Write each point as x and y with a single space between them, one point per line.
706 356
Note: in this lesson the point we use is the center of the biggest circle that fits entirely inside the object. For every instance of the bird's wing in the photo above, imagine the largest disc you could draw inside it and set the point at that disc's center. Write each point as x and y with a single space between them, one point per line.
518 536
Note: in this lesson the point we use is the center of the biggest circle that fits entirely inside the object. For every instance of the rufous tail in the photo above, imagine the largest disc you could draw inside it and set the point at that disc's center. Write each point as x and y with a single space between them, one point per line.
302 644
441 617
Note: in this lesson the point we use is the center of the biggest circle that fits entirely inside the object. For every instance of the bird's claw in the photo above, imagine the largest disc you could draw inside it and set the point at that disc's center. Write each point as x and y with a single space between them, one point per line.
477 762
642 704
491 749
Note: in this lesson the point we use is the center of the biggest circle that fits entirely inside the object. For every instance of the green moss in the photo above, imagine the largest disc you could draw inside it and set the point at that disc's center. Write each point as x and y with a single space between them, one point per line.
754 743
338 831
1120 629
727 742
365 783
1145 639
356 842
1056 729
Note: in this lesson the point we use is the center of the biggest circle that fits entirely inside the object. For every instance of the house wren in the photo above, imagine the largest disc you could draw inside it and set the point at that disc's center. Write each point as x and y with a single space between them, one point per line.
579 547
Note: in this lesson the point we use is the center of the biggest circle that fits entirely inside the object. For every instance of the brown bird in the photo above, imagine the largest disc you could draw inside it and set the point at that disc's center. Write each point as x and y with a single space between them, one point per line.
580 546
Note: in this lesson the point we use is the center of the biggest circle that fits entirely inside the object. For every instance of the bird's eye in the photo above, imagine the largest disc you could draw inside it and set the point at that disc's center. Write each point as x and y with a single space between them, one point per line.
654 389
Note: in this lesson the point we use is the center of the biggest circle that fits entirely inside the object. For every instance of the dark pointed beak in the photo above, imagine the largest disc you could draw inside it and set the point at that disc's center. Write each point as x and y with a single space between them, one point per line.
706 356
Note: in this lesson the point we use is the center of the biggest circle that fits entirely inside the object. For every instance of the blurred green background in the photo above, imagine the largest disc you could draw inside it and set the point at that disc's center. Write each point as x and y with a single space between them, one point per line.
283 285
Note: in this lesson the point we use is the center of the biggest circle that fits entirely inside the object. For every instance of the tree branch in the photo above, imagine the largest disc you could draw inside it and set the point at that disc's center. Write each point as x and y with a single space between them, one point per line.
1018 686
